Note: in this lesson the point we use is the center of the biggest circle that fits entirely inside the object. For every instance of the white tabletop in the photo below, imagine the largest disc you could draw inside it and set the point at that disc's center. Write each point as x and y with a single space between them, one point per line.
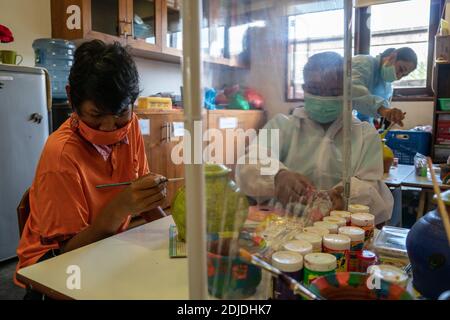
423 182
131 265
398 174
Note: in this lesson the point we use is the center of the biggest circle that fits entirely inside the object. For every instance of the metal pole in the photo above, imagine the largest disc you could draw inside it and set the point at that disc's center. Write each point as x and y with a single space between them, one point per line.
347 112
195 191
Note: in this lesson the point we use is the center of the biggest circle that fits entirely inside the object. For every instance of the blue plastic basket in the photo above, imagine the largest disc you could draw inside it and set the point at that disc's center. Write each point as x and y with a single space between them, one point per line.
406 144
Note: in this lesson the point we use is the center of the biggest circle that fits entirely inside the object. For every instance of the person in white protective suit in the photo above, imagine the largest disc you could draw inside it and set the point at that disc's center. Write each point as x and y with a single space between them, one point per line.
309 154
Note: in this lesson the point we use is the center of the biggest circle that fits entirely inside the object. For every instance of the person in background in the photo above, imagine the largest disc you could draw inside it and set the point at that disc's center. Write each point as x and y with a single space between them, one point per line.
310 147
100 143
372 83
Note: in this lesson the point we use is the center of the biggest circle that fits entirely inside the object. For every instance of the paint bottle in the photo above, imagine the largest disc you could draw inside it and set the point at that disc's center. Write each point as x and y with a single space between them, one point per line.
365 221
366 258
314 239
331 227
339 246
299 246
341 222
358 208
317 230
342 214
357 236
292 264
317 265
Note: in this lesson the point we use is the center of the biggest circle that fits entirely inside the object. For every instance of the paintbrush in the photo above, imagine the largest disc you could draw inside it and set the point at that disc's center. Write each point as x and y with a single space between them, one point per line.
120 184
293 284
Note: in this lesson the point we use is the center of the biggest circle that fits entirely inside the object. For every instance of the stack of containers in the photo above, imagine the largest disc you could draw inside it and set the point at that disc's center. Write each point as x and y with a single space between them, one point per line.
57 57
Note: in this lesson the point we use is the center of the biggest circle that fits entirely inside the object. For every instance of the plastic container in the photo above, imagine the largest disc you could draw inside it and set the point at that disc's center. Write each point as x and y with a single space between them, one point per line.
444 104
316 265
366 258
339 246
57 57
406 144
357 236
365 221
292 264
299 246
155 103
389 274
331 227
341 222
314 239
317 230
391 241
342 214
358 208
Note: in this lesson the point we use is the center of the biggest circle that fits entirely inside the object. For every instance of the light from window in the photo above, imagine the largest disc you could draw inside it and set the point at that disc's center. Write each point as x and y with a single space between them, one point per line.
308 34
403 24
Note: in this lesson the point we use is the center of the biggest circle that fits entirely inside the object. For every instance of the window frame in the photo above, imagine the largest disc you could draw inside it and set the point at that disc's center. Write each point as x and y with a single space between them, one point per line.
362 46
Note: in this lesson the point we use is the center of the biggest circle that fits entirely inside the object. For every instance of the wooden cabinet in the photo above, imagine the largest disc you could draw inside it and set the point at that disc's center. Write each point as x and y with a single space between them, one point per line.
152 28
164 134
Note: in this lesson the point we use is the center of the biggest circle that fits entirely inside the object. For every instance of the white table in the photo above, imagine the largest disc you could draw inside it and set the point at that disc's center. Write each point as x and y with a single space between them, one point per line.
397 175
131 265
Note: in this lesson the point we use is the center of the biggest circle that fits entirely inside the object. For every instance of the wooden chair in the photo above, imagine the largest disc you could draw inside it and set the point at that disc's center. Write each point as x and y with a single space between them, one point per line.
23 211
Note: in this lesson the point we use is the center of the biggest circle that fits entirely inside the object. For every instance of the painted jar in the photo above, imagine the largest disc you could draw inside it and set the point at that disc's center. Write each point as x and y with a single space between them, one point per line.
314 239
290 263
339 246
341 222
366 258
317 265
389 274
299 246
317 230
331 227
342 214
364 221
358 208
357 236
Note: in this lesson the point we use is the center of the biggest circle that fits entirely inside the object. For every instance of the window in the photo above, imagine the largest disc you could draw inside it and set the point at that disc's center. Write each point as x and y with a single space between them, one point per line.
308 34
402 24
411 23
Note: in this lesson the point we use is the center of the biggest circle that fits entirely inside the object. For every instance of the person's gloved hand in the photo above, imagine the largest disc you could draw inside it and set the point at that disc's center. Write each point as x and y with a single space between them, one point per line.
392 115
336 197
292 187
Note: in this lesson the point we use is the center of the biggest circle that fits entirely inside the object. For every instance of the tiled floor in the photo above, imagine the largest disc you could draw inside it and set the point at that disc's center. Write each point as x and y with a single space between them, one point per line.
8 290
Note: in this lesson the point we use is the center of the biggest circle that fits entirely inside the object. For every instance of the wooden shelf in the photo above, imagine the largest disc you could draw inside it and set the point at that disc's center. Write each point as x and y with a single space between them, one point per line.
442 112
442 146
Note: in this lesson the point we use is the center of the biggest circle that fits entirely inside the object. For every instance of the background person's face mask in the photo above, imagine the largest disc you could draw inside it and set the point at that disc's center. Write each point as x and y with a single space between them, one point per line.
388 73
323 109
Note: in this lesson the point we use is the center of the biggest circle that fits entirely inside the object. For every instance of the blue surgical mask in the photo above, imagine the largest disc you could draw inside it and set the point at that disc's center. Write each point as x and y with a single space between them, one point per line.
388 73
323 109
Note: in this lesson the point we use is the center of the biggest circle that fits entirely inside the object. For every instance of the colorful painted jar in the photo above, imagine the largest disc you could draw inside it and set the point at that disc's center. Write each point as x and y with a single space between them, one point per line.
331 227
341 222
342 214
317 230
317 265
358 208
389 274
290 263
365 221
357 236
300 246
366 258
314 239
339 246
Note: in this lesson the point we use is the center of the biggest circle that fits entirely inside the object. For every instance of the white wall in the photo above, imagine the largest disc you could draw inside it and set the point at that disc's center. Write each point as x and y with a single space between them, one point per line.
158 76
28 20
418 113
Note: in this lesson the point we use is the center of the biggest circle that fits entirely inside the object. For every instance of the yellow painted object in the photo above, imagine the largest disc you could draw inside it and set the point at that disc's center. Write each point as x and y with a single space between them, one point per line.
388 157
155 103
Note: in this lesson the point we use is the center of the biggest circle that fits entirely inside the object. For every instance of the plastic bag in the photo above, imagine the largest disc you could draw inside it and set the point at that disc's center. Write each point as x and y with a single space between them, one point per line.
210 98
420 164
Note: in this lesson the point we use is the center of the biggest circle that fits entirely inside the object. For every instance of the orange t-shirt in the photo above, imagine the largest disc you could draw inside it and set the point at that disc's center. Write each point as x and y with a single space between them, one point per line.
63 197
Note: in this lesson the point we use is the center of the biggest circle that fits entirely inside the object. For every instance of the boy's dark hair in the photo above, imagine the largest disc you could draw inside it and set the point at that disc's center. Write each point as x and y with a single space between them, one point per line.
403 54
105 74
323 74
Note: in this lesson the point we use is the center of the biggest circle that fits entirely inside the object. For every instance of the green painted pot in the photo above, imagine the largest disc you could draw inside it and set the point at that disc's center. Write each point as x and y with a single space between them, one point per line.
226 206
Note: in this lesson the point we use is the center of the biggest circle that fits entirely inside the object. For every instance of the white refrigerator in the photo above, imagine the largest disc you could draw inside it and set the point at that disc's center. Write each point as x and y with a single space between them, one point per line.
24 129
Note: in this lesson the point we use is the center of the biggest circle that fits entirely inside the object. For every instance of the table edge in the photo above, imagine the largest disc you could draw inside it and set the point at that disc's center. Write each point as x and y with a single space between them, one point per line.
51 293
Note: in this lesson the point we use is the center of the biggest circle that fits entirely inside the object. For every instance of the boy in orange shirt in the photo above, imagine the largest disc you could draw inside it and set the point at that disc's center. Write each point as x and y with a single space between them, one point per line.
100 143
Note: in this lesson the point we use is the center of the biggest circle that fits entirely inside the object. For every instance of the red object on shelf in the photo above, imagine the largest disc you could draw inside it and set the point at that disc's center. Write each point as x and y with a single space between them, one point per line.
6 35
443 132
